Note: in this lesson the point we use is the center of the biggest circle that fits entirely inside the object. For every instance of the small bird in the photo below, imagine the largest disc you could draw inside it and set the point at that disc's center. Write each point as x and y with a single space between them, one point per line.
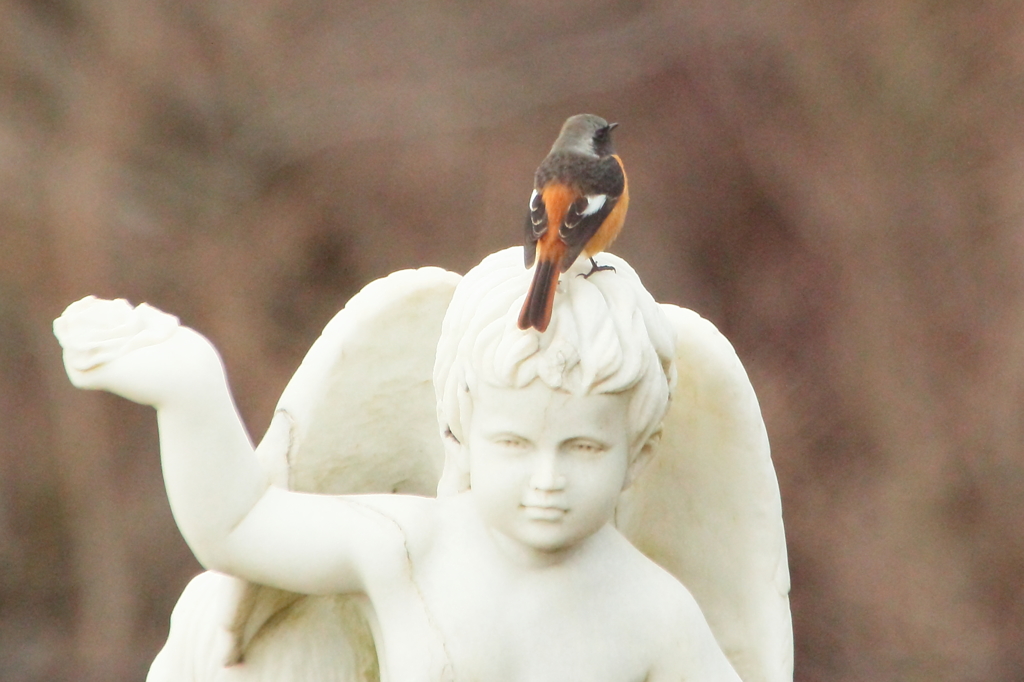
578 205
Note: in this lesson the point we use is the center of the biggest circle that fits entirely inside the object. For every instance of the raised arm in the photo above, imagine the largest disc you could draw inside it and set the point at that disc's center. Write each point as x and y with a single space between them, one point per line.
229 515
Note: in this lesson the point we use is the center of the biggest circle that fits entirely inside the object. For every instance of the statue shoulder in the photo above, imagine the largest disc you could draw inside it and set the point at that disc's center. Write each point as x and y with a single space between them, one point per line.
685 645
415 517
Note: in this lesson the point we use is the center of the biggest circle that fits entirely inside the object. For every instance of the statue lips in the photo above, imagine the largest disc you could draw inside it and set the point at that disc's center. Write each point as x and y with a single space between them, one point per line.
543 511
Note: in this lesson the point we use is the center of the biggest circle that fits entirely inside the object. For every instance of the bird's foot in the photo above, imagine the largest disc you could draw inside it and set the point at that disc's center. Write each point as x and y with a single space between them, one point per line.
594 267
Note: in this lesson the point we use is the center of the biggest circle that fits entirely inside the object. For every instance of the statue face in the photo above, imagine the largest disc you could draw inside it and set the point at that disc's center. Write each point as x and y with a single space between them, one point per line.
547 467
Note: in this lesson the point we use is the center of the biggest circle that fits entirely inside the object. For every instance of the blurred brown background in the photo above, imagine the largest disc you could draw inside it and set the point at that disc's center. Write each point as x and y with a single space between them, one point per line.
837 185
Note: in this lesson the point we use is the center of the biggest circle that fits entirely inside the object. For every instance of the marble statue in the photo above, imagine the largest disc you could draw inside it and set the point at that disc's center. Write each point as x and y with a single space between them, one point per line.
606 506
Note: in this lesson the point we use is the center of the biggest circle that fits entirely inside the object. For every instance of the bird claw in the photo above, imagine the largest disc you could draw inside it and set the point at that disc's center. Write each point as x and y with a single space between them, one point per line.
594 267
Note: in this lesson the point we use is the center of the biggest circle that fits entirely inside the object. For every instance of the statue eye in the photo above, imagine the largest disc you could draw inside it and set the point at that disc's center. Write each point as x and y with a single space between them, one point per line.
586 447
510 442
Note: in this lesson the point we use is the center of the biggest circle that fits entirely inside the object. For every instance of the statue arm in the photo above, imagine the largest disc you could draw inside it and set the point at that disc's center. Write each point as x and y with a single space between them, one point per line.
221 498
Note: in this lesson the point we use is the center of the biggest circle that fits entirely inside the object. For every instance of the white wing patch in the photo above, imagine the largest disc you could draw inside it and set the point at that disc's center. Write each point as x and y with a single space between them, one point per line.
574 216
594 204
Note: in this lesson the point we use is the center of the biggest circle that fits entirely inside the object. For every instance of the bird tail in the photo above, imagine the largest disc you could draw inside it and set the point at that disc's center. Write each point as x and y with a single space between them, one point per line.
536 311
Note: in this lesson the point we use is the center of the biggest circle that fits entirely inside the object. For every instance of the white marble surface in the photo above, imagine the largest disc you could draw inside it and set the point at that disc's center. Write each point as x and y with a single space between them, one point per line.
572 508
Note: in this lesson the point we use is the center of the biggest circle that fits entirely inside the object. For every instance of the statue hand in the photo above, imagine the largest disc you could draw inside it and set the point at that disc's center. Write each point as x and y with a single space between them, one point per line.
140 353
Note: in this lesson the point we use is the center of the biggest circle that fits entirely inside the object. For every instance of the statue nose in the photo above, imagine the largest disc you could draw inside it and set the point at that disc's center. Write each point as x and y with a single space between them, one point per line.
546 475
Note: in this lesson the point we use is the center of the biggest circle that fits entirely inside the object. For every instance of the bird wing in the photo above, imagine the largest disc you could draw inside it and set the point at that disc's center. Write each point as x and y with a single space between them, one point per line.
601 184
535 226
358 416
583 219
707 507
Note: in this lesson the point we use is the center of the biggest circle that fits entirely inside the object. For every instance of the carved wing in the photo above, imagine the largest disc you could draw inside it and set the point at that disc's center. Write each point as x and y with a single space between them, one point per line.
707 507
358 416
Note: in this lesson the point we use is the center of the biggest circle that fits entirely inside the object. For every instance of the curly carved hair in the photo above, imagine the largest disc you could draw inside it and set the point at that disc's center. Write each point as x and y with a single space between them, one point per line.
607 335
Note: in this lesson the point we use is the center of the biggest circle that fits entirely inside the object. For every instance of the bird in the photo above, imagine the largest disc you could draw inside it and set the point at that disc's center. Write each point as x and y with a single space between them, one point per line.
578 205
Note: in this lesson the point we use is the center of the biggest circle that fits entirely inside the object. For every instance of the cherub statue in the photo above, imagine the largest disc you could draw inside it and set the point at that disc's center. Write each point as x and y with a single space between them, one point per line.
584 475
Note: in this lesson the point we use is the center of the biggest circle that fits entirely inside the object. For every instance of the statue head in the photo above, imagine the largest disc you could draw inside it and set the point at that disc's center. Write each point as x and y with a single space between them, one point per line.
607 336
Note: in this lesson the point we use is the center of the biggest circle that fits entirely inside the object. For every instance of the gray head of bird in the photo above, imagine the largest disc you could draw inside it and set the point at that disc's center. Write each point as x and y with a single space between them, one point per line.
586 134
